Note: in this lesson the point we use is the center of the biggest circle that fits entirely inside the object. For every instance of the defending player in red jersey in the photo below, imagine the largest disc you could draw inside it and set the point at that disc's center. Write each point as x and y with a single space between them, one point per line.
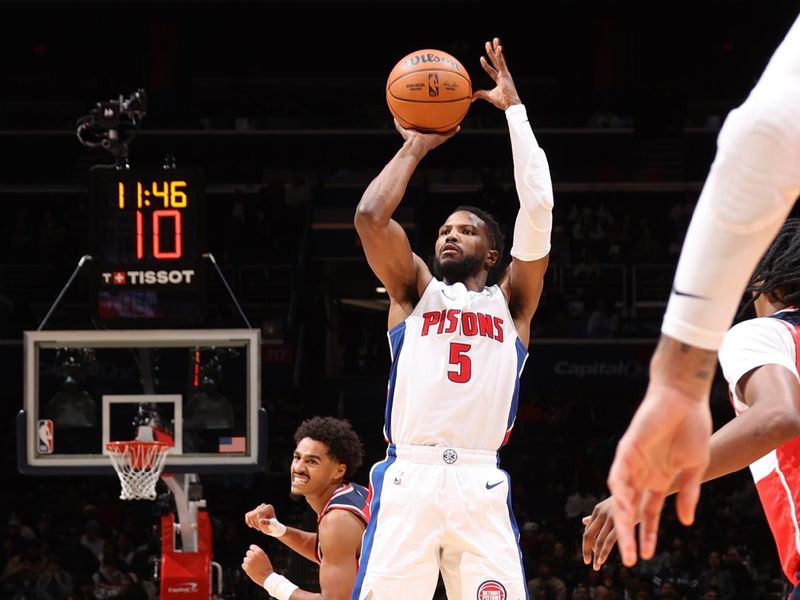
327 455
759 358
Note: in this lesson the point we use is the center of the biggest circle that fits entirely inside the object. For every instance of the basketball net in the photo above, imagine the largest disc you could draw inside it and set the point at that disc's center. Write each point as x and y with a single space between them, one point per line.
139 464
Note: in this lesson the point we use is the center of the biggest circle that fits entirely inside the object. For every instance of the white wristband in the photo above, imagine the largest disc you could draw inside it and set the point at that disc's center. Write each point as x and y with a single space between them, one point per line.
279 587
276 528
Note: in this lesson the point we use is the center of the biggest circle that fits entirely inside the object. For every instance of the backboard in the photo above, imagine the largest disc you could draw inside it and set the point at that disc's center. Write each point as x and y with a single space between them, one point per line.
84 388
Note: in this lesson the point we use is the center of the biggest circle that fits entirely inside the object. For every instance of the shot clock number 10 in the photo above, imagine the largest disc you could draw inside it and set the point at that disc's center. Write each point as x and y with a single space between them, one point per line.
147 239
153 193
147 217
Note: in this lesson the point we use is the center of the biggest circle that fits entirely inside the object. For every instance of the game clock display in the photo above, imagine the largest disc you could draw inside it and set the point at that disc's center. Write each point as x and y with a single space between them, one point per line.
147 243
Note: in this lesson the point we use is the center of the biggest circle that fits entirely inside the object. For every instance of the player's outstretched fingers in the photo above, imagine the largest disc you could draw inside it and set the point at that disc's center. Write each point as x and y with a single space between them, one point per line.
688 495
589 536
604 544
652 504
625 500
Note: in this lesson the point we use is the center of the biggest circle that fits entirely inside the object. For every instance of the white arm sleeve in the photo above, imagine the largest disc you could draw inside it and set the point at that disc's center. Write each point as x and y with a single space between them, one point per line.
534 188
751 188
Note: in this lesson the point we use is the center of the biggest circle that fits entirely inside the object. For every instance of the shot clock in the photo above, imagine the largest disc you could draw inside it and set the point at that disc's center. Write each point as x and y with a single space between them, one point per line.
147 243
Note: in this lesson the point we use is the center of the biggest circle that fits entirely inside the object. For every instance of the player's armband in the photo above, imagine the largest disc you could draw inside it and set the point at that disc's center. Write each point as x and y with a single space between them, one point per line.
279 587
274 527
534 188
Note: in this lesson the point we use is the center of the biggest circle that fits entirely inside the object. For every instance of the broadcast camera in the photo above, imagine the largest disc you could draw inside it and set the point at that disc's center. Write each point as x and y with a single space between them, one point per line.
111 125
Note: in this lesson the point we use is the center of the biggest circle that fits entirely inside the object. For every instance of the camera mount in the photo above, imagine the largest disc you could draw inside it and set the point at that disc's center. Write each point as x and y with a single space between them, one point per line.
112 125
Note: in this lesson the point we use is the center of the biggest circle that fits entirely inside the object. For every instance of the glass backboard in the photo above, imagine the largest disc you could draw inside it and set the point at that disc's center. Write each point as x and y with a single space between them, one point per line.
200 388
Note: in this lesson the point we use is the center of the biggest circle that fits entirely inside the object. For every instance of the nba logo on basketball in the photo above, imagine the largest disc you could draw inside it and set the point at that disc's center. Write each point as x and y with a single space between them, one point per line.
433 84
45 434
491 590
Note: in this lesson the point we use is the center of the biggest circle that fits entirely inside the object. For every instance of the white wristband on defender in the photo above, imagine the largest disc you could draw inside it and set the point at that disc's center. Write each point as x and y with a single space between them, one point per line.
276 528
279 587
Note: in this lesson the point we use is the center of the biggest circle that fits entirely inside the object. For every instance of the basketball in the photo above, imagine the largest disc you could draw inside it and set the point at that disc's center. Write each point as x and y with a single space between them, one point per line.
429 90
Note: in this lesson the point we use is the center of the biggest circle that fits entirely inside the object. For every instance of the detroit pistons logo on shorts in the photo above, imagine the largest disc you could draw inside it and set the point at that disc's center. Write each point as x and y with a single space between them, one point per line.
491 590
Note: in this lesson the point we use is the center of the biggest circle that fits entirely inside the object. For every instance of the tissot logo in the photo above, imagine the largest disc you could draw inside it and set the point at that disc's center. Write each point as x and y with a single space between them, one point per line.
174 277
190 587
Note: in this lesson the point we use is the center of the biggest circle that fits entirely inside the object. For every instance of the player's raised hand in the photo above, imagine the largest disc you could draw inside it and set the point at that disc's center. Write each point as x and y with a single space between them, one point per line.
430 139
599 535
257 564
261 513
504 94
666 442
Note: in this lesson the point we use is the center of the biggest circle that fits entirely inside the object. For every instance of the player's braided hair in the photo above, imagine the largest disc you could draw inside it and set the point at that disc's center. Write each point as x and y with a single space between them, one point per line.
496 236
343 443
778 273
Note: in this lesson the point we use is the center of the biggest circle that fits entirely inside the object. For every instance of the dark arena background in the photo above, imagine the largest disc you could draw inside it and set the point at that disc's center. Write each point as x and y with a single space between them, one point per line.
278 108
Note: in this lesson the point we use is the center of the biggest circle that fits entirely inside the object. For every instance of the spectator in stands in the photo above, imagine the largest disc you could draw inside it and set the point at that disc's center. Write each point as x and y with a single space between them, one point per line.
76 558
682 576
742 578
580 501
92 538
581 592
54 583
603 321
546 580
717 578
18 579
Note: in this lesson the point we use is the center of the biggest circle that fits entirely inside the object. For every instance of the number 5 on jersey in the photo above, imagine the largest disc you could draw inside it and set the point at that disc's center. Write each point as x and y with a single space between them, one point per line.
462 363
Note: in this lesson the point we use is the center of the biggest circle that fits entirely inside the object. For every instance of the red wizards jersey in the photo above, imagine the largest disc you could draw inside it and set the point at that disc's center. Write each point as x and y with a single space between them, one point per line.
746 346
350 497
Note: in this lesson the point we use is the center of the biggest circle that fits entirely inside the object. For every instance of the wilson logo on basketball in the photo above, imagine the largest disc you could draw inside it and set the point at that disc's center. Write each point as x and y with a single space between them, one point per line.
491 590
413 61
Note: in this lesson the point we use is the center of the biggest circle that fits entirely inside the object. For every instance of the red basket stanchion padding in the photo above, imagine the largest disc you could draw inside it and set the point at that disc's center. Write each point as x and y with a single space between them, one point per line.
139 465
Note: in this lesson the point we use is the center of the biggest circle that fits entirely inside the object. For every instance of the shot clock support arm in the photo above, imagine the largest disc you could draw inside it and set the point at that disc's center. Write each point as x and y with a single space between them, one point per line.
213 260
83 260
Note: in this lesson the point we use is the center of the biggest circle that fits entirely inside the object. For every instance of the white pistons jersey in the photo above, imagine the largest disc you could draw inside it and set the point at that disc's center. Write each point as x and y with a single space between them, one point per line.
456 363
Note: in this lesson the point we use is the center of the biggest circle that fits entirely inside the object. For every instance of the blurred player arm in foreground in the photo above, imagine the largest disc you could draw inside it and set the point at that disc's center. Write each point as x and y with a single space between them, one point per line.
773 394
523 280
751 187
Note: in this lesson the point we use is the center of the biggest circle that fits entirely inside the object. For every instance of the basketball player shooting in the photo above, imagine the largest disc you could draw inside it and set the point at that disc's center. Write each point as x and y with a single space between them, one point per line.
440 503
327 454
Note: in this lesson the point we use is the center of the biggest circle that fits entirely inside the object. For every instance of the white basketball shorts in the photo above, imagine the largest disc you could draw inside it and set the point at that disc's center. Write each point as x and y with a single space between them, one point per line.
440 509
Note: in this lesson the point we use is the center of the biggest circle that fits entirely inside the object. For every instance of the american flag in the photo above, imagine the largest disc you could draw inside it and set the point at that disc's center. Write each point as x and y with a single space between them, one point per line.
232 444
